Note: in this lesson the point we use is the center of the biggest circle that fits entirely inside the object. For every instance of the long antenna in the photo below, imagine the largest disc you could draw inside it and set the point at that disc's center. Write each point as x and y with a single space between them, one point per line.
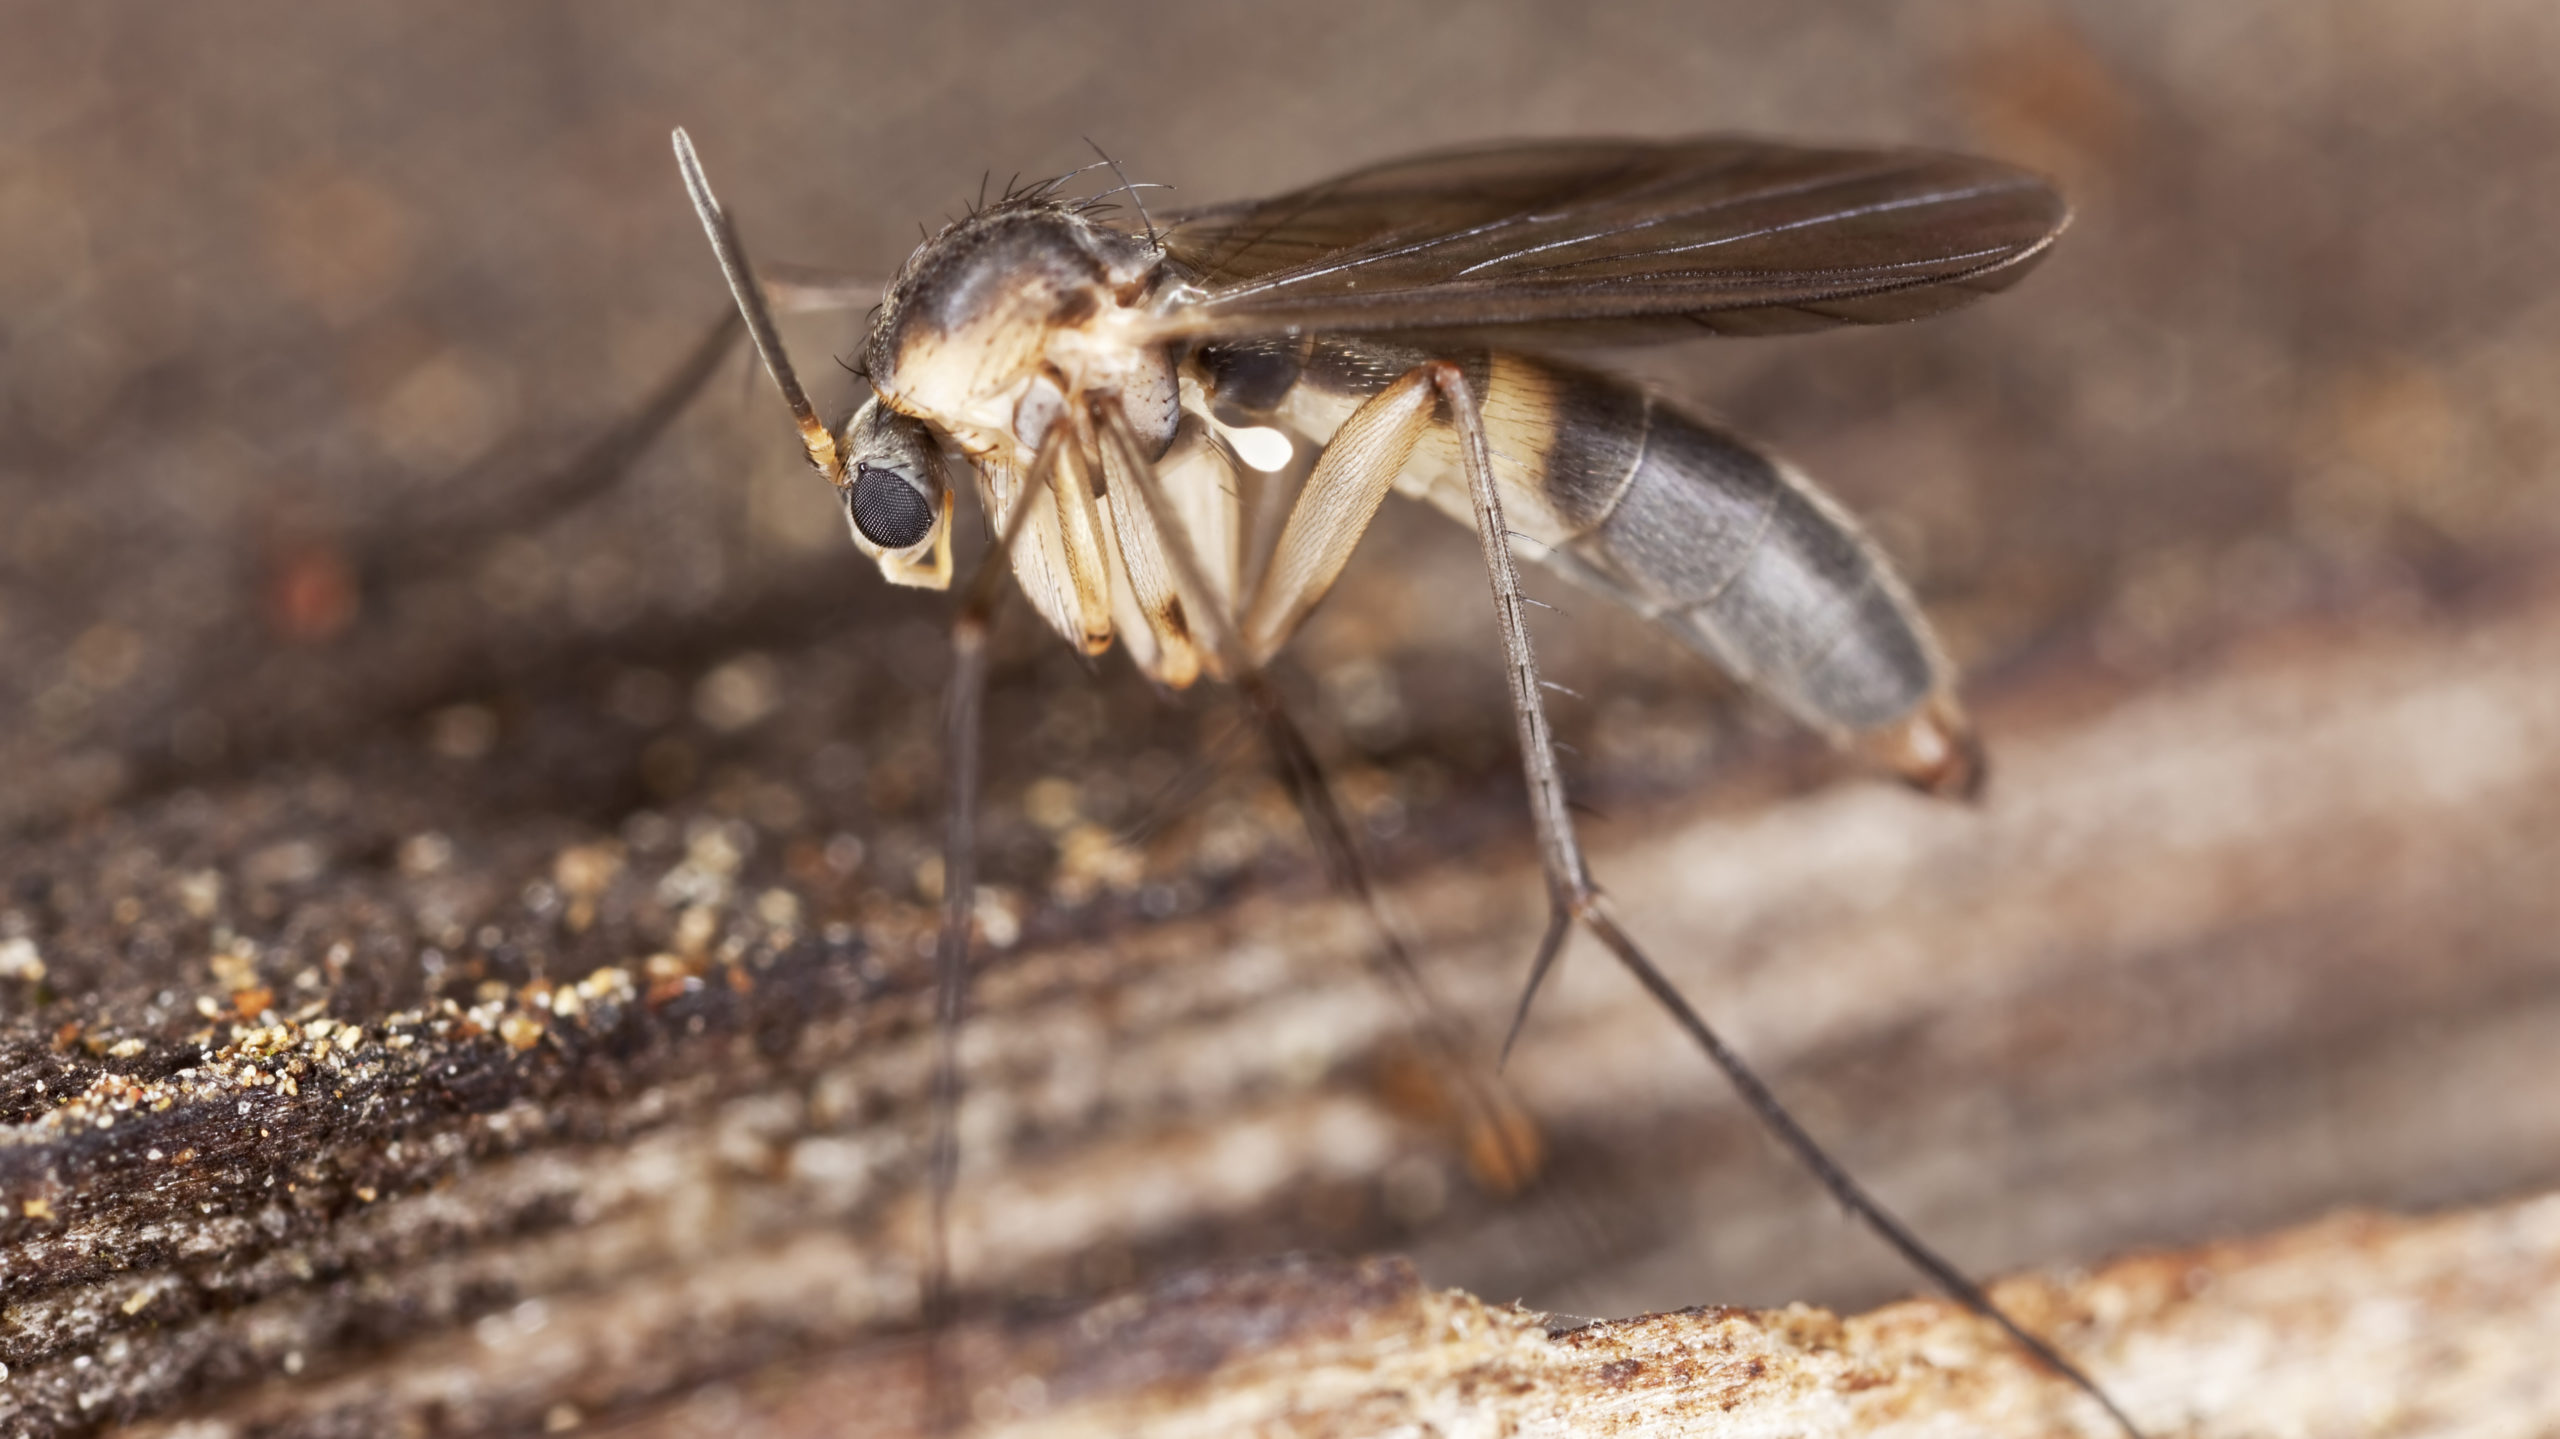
742 285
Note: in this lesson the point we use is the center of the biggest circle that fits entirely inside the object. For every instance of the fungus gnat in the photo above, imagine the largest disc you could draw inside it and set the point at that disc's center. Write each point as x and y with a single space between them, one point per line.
1105 384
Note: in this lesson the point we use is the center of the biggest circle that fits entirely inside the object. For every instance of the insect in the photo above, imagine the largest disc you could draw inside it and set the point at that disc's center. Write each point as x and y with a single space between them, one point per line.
1108 387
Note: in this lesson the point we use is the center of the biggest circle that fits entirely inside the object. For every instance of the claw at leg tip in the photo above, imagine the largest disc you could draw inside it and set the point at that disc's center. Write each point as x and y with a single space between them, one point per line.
1933 748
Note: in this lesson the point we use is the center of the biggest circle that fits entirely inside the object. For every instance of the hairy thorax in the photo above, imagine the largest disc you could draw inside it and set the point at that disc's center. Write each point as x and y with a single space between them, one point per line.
1014 314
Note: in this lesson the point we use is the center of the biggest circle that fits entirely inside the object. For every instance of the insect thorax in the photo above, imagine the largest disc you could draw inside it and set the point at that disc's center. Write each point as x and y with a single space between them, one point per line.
1024 293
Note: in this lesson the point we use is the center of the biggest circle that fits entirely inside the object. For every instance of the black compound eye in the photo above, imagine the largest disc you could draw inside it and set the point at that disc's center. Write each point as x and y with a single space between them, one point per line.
889 511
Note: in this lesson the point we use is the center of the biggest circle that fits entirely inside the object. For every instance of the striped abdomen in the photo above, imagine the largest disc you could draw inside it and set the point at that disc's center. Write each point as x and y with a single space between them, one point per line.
1690 526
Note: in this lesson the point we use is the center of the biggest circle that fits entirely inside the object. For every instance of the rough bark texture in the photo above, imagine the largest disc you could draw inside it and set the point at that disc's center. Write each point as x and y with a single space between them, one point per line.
2357 1325
469 1219
460 960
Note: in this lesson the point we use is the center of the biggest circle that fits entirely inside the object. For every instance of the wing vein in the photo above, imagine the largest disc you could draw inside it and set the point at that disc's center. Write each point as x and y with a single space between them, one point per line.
1566 242
1808 222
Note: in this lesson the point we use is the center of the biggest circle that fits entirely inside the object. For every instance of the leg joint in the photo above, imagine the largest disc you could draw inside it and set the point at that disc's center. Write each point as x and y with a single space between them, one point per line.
1446 377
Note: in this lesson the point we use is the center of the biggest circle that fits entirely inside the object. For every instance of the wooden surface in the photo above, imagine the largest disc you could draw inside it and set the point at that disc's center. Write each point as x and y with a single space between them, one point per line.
522 1208
2358 1325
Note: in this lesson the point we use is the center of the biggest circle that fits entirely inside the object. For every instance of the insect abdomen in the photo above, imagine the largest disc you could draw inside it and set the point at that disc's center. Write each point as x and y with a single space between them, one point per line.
1750 564
1741 557
1689 525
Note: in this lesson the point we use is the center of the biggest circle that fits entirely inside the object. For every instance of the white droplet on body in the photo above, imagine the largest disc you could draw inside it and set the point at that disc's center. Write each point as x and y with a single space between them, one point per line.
1262 447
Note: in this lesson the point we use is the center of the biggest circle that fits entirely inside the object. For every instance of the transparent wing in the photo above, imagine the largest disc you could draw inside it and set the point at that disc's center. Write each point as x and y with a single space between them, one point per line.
1616 241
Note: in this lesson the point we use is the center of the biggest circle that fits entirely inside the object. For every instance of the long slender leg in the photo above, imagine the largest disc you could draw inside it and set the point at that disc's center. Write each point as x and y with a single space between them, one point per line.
1502 1145
969 634
810 289
415 546
1332 511
1572 892
1161 808
970 628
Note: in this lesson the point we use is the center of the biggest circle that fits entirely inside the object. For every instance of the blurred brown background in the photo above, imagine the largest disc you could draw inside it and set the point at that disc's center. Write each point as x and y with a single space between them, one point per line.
329 681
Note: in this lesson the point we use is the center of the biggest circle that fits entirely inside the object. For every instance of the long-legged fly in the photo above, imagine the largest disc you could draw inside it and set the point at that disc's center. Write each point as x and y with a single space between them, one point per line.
1115 390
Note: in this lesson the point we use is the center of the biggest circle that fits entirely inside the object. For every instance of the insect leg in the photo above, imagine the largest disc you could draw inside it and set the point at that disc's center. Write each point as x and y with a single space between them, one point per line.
808 289
970 628
1359 466
416 548
1153 618
1081 534
1571 890
1502 1144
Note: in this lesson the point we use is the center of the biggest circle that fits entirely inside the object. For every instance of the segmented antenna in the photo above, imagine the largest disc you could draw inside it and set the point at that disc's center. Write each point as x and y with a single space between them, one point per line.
759 317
